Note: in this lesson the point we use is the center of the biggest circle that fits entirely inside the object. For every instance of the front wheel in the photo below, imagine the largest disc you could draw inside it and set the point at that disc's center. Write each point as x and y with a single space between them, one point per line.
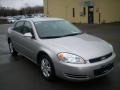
47 68
12 50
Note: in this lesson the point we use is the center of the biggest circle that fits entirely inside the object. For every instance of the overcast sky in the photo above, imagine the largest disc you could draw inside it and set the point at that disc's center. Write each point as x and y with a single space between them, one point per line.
17 4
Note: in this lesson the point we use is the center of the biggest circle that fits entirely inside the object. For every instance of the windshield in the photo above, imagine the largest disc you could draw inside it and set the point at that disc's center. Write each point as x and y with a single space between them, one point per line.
55 29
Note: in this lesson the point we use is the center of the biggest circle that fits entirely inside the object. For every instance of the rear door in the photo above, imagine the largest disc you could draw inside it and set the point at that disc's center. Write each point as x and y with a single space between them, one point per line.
16 36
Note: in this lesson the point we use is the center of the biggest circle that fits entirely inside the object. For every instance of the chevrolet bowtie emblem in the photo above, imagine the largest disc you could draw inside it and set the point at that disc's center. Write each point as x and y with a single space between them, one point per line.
103 58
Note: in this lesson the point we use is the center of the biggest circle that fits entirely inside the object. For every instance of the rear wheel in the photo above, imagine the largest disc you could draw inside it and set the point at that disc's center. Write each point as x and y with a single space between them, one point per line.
12 50
47 68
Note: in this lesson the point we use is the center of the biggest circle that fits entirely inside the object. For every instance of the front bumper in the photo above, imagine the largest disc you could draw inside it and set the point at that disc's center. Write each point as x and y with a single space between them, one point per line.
84 71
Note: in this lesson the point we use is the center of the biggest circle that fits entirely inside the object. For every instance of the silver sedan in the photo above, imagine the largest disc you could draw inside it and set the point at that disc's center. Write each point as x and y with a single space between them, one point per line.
61 49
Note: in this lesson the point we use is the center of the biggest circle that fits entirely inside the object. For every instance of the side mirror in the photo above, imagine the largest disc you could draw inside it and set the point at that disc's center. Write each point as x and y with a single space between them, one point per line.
28 35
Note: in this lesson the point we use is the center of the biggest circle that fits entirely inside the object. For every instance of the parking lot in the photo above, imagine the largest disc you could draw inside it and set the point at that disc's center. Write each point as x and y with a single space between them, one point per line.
18 73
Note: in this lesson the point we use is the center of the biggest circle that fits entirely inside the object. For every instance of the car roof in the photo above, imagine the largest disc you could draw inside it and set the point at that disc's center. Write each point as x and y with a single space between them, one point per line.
42 19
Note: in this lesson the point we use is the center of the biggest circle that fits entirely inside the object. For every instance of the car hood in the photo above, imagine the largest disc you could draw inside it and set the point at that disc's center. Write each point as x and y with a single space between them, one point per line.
84 45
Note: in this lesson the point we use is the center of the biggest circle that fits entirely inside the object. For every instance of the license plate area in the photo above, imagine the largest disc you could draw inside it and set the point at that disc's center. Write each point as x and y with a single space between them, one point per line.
103 70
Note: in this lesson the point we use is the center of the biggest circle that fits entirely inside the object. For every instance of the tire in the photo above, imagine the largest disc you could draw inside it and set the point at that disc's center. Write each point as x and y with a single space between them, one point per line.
13 52
47 68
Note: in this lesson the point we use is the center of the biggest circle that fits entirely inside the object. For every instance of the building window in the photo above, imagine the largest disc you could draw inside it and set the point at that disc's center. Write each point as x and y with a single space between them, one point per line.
84 11
73 12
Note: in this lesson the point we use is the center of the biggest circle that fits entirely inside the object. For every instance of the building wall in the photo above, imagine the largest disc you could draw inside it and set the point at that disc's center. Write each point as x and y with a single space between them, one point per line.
105 11
108 9
55 8
62 9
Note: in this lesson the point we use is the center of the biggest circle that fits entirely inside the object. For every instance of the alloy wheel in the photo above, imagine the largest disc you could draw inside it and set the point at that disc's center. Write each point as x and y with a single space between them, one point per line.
46 68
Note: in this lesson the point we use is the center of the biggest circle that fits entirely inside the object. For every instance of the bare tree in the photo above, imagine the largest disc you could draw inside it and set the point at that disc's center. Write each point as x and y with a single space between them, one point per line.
6 11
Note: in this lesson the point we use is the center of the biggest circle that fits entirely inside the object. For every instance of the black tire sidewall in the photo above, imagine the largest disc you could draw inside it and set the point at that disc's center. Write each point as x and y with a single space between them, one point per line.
14 53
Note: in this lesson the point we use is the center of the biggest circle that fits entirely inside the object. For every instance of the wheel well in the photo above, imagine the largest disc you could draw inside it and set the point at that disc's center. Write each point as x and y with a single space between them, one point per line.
39 57
40 54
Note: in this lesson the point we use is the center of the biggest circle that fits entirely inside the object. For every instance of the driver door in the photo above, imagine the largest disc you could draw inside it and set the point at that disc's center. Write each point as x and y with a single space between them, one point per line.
29 43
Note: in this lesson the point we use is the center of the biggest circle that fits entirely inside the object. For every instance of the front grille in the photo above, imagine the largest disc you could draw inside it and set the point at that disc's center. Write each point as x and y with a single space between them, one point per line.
76 76
100 58
103 70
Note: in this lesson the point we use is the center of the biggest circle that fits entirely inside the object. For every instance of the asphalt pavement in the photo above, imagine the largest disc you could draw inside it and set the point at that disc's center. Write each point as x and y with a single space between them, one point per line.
18 73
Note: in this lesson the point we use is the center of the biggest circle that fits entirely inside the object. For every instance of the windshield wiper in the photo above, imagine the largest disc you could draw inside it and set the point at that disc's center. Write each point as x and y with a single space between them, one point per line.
73 34
51 37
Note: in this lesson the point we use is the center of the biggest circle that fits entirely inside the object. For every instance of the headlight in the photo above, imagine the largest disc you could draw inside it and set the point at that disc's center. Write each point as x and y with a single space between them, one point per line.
71 58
